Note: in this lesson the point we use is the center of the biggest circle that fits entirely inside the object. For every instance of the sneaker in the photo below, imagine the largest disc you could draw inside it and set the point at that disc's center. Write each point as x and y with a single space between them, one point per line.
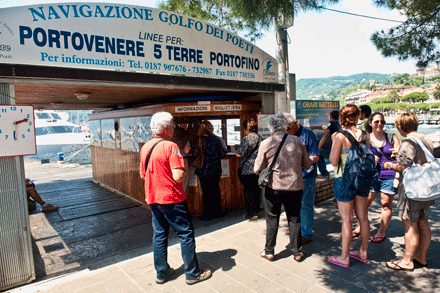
204 275
49 208
161 281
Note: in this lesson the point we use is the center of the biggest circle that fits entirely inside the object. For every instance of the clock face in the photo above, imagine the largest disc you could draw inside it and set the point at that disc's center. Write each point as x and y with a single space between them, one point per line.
17 131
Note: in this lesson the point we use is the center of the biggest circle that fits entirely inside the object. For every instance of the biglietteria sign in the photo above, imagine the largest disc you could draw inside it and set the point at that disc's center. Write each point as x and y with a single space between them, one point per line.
128 38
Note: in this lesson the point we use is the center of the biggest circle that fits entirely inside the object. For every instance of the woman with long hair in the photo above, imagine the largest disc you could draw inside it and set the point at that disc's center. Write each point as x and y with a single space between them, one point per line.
347 199
382 145
211 171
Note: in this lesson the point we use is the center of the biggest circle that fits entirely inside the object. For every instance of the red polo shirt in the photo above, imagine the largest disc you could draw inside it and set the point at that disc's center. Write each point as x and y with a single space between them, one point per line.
160 186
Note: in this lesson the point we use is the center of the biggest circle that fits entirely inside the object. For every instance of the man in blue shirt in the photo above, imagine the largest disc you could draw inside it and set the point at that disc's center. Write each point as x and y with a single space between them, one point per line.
325 144
308 138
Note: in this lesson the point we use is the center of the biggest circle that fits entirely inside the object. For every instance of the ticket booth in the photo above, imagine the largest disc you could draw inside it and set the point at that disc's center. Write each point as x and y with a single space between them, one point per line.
117 137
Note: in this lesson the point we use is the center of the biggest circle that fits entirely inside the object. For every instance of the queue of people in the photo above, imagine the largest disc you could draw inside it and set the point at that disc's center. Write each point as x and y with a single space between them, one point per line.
292 150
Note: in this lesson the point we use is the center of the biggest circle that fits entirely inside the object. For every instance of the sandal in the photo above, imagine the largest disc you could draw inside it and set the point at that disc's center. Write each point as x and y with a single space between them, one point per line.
356 234
333 260
299 257
357 257
269 257
395 266
377 239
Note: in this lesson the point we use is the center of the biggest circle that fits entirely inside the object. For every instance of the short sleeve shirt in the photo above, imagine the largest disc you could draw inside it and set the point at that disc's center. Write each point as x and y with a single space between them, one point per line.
333 126
308 139
160 186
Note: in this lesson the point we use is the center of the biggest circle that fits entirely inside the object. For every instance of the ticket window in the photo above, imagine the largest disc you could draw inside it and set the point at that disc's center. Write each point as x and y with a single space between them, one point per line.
228 129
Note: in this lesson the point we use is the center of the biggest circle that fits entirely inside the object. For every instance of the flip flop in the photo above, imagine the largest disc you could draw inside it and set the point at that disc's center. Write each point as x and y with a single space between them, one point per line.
356 234
357 257
417 262
377 239
332 260
398 268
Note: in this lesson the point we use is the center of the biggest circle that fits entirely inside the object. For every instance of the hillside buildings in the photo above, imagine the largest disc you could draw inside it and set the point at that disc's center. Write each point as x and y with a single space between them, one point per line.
363 96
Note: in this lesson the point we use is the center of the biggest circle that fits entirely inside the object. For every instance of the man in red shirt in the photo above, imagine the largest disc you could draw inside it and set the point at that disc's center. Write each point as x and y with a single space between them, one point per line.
163 175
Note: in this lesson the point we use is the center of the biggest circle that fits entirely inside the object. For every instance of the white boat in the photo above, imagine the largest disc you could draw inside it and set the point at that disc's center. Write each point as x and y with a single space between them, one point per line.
56 137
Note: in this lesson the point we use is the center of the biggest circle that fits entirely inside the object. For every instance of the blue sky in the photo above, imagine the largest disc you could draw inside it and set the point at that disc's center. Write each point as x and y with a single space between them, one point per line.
321 44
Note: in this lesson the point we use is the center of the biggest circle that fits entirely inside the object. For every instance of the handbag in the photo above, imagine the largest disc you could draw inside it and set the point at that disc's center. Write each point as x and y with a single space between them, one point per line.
422 182
198 161
265 177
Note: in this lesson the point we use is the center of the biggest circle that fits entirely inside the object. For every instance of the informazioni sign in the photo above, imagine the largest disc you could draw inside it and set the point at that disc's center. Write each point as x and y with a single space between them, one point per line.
128 38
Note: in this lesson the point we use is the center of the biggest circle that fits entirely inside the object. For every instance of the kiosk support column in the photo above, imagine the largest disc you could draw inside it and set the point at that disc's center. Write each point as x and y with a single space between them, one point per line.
15 235
282 100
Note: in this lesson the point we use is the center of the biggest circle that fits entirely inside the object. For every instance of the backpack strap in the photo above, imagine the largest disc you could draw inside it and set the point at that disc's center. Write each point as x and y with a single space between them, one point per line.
352 139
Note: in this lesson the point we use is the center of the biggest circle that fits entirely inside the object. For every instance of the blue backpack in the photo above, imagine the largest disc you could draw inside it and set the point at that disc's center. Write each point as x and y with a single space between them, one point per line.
360 172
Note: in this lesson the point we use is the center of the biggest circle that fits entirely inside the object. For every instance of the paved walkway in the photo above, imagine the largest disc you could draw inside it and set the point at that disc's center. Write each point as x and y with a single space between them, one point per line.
230 247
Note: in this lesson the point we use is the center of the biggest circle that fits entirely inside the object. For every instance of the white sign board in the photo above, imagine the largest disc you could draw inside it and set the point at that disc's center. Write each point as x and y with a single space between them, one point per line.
128 38
185 109
263 120
232 107
17 131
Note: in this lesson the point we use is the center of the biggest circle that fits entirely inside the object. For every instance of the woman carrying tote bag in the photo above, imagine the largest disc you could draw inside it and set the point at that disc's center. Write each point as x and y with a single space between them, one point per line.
414 214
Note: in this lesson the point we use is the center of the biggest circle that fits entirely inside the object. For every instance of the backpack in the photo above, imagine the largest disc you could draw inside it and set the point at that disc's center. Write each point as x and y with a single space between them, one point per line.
360 172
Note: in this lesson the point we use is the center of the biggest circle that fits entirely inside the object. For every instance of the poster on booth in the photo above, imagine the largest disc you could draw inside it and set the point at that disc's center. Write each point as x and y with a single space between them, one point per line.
315 112
128 38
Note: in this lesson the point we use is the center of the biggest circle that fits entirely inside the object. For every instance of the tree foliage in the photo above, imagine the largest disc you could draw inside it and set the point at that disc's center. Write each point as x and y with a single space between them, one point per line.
415 97
248 18
436 93
416 38
409 80
393 96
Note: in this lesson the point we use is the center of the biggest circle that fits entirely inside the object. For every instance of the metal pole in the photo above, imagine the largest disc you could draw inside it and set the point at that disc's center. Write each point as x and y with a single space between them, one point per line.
282 100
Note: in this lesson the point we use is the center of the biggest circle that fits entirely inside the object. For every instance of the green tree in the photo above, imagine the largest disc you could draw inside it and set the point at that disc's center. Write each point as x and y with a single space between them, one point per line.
417 37
415 97
436 93
393 96
408 80
245 17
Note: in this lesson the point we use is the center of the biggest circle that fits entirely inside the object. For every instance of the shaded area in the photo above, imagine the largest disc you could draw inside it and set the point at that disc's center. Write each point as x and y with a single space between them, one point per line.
93 227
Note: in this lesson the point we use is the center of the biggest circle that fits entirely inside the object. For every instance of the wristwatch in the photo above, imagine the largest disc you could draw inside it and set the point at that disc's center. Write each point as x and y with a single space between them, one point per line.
389 166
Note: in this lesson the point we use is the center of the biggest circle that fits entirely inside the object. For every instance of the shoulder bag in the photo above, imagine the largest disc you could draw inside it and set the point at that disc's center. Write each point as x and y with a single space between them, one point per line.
422 182
265 177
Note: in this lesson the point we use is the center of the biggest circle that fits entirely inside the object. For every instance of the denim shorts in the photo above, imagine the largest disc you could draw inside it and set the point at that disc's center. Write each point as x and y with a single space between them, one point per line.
385 186
342 193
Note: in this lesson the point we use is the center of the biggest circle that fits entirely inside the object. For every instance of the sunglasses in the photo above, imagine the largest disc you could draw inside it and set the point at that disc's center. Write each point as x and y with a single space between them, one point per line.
379 121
